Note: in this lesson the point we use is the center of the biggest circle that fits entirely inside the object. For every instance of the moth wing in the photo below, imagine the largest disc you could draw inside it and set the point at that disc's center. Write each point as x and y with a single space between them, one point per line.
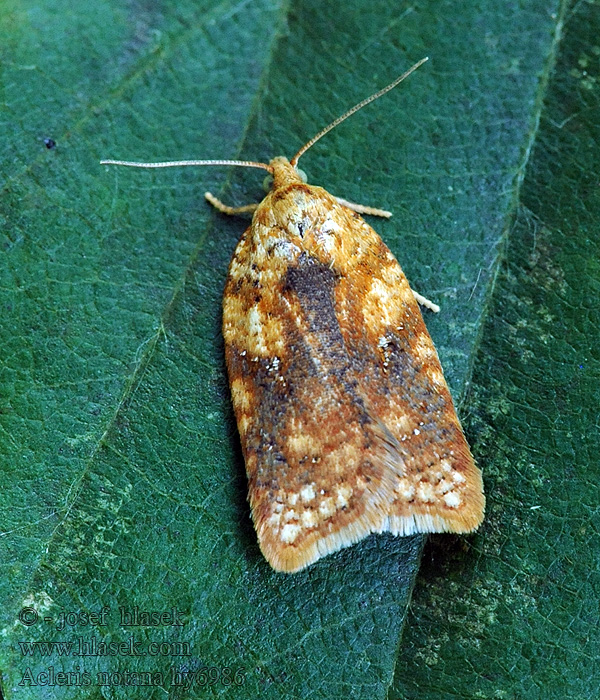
345 420
436 485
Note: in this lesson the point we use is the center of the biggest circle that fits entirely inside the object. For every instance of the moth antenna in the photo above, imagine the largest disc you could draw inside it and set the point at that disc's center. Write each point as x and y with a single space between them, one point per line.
175 163
354 109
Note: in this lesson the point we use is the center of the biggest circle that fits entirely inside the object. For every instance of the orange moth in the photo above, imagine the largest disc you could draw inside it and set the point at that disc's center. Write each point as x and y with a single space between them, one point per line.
345 419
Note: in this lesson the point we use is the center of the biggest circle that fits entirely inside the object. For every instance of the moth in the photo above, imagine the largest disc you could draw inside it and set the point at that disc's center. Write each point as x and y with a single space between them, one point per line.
346 423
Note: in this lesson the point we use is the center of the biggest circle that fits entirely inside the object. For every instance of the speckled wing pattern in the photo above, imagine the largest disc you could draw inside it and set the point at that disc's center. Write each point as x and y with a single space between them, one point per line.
346 423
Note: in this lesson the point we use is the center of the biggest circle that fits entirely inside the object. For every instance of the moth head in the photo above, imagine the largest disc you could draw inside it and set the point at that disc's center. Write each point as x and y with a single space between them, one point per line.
269 179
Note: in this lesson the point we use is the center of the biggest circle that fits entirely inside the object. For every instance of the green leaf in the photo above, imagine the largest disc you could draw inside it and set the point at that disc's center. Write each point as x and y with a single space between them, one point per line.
123 483
518 617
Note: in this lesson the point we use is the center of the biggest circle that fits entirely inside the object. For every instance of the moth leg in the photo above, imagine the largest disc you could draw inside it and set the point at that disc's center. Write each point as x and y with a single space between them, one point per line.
425 302
225 209
361 209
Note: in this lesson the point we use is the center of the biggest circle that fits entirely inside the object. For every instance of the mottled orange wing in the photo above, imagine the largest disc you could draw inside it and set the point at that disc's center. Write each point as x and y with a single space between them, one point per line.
346 422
